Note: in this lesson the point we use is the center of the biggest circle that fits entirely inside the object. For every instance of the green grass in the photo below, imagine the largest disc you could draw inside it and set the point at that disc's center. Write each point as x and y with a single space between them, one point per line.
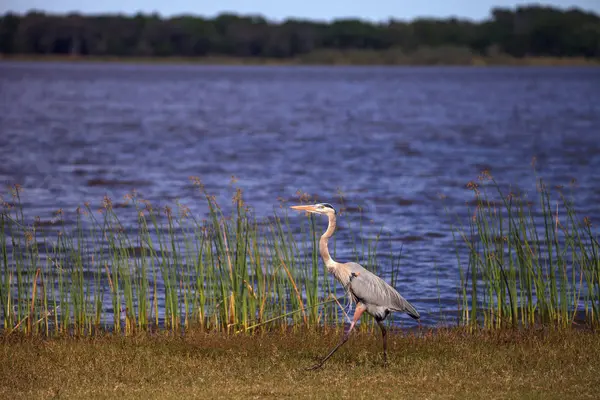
440 365
247 305
229 272
522 262
531 259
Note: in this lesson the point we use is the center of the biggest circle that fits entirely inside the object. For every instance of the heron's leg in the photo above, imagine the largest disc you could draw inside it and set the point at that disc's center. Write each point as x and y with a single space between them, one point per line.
384 336
360 308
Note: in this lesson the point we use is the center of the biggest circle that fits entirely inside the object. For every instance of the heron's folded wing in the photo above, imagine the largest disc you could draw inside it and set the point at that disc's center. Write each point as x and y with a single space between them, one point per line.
368 288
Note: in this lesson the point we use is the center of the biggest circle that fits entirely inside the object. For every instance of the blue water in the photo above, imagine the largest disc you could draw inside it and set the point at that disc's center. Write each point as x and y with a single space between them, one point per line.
392 140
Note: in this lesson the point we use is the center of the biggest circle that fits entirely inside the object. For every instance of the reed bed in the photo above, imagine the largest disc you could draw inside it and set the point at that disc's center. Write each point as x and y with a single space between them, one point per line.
522 262
166 269
530 260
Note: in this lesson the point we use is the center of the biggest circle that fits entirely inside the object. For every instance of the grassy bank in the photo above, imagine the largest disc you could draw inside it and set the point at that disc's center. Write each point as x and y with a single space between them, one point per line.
447 364
348 58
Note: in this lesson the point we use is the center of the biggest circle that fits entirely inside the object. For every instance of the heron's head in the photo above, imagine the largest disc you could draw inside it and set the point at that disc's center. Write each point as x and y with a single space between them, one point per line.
321 208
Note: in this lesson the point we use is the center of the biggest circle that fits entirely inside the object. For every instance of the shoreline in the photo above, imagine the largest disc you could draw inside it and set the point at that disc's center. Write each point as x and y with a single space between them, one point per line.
237 61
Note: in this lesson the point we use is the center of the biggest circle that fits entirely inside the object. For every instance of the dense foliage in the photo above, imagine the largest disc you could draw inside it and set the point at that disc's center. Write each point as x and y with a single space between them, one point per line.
525 31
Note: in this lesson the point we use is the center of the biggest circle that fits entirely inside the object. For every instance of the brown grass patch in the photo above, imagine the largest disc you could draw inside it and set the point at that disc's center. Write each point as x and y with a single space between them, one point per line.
446 364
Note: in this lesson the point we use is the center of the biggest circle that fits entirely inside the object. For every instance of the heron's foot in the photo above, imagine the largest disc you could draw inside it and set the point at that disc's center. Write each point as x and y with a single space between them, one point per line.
315 367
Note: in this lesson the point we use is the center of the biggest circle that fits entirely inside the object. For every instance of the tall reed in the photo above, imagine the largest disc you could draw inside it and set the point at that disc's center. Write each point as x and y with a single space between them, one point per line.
164 269
521 262
529 261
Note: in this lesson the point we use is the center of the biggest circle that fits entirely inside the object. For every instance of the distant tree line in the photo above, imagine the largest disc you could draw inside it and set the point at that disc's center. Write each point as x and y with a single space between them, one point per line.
522 32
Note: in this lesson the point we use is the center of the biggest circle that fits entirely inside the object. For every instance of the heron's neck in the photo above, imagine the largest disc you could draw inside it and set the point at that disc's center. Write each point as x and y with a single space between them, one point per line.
329 262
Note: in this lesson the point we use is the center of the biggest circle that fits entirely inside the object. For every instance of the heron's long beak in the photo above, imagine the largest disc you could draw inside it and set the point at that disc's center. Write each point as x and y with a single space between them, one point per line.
305 208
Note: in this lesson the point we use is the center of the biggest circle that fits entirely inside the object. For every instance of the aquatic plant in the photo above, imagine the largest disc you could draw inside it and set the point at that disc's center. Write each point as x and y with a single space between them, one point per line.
521 261
167 270
530 259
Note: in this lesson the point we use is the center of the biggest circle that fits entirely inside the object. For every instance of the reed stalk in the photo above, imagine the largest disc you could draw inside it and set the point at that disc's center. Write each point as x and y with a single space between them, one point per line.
90 272
528 262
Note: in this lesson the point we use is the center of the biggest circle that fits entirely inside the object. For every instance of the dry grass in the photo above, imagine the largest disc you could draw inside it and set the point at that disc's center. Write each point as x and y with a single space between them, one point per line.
447 364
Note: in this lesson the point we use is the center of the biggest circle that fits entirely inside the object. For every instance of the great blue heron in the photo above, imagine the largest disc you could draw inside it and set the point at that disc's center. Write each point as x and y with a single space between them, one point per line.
370 293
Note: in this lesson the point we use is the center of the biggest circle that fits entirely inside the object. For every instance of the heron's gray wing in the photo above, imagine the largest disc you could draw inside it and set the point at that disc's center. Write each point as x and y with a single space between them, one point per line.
368 288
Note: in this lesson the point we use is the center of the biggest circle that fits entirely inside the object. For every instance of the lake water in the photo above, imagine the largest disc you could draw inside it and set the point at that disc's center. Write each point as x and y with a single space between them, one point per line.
392 140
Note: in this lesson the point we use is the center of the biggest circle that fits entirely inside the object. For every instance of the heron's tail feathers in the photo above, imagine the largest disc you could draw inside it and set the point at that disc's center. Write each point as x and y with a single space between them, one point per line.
410 310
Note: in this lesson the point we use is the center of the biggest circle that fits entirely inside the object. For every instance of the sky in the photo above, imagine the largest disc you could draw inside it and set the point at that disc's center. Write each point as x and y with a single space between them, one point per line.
277 10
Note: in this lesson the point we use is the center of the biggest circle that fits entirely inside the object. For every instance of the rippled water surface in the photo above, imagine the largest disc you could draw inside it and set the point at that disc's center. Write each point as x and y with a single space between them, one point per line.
392 140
